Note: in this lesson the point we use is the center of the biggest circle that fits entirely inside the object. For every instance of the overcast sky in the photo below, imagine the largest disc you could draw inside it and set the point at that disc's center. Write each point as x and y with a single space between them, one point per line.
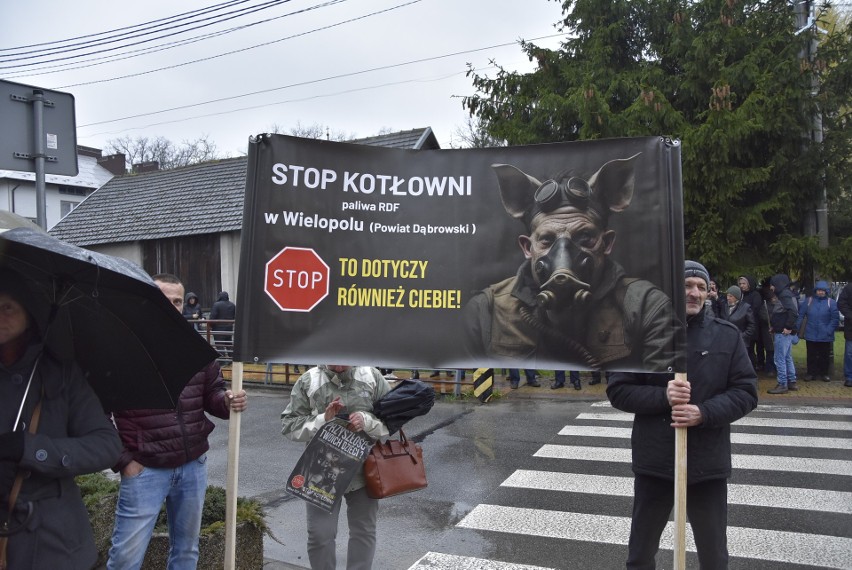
315 67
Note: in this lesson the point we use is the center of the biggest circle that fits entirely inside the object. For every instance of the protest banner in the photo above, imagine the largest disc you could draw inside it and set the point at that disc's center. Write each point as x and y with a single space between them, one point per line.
429 259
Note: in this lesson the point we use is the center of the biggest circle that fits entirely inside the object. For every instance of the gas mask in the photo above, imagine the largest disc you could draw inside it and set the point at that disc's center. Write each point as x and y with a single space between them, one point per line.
567 271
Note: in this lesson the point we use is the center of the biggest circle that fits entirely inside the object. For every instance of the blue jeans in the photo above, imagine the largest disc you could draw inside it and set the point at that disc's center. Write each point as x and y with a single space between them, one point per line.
847 361
139 501
784 358
515 375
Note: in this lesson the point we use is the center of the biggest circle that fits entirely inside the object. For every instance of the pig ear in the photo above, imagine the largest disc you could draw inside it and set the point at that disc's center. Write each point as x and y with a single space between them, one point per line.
516 189
612 185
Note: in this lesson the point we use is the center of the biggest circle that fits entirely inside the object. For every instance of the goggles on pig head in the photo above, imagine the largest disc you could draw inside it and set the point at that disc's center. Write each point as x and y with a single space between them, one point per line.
552 195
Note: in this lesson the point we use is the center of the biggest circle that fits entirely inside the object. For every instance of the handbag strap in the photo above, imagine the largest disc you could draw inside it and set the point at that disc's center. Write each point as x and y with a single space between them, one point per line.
387 443
16 487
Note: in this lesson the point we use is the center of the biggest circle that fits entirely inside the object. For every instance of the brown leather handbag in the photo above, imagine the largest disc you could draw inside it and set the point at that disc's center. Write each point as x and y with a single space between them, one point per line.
394 467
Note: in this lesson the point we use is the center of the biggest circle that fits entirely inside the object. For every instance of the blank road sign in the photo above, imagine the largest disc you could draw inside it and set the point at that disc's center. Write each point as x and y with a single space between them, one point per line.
17 145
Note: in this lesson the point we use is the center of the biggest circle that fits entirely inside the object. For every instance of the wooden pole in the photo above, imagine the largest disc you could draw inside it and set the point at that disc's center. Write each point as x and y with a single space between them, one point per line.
233 472
680 494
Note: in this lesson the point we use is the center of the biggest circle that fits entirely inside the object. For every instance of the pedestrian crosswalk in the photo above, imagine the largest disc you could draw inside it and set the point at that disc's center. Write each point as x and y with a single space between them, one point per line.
790 497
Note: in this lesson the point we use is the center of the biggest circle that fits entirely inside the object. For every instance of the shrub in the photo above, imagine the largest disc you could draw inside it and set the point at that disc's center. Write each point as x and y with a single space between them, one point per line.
95 487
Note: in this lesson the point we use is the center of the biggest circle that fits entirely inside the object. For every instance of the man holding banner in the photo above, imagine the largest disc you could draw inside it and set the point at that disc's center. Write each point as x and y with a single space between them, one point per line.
321 394
721 388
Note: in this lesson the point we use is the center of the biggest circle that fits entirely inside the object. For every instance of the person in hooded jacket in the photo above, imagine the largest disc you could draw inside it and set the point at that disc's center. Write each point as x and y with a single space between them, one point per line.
716 302
192 309
740 314
782 321
223 309
73 437
319 395
720 389
191 306
822 316
751 296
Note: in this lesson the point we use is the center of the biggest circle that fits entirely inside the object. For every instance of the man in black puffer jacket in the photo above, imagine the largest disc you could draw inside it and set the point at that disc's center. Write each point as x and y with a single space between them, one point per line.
164 460
721 388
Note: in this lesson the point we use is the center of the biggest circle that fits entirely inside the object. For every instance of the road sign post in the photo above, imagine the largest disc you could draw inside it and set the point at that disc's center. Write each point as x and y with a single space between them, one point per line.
40 135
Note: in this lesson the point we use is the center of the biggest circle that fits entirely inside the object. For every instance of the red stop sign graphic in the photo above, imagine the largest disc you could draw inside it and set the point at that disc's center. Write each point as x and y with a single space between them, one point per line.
296 279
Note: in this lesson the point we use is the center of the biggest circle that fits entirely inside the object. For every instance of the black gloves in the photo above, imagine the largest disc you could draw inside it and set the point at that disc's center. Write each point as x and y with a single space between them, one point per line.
12 446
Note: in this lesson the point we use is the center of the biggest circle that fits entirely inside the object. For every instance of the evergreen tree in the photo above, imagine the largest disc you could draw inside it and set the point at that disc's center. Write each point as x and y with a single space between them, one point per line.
731 80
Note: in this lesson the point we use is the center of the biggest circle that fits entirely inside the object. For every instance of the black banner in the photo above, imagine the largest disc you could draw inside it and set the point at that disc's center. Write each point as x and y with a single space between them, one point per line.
554 256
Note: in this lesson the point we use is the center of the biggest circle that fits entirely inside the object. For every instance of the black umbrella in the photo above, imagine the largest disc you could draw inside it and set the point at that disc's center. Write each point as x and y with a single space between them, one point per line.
136 350
408 399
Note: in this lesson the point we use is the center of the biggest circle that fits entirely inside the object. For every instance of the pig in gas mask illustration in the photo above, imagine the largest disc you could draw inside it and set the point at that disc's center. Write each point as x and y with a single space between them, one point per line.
569 302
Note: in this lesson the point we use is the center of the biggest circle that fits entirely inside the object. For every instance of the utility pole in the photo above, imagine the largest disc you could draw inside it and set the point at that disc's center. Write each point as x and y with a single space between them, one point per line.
816 222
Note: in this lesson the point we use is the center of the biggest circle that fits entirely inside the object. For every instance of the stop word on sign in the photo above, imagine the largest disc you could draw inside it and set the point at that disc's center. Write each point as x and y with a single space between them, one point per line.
296 279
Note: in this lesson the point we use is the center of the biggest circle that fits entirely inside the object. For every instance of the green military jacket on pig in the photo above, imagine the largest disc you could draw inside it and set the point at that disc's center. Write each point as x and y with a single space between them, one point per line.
358 388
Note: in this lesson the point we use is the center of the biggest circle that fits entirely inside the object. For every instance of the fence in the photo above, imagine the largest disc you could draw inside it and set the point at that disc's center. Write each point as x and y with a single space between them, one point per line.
220 335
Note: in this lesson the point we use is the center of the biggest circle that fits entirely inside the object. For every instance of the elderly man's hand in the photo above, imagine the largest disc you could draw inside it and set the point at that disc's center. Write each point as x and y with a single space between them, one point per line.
238 402
356 421
686 415
678 392
333 408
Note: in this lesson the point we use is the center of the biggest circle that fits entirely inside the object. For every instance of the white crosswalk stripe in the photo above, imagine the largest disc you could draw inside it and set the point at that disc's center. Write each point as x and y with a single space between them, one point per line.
760 462
797 548
752 495
747 421
802 455
810 410
438 561
740 438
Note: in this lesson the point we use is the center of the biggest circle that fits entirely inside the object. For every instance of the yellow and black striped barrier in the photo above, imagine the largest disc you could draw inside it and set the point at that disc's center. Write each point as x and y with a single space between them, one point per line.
483 383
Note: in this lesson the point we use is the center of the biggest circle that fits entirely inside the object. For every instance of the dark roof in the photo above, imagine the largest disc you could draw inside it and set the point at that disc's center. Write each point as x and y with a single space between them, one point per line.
200 199
416 139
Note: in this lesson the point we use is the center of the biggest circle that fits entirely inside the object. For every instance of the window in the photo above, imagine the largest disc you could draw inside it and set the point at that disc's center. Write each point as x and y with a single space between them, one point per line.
65 207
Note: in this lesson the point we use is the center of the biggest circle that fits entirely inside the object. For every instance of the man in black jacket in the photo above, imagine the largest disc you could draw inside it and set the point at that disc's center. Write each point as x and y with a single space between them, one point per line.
844 304
782 322
721 388
751 296
223 309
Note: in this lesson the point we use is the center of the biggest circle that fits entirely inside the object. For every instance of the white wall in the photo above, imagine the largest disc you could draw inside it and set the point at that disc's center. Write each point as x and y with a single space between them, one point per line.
19 196
130 251
229 246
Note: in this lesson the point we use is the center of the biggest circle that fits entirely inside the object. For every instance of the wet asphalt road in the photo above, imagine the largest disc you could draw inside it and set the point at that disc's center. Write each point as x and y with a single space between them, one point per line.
470 449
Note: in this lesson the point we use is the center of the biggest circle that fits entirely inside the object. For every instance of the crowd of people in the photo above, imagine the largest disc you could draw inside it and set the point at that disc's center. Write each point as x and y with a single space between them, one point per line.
774 315
223 309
